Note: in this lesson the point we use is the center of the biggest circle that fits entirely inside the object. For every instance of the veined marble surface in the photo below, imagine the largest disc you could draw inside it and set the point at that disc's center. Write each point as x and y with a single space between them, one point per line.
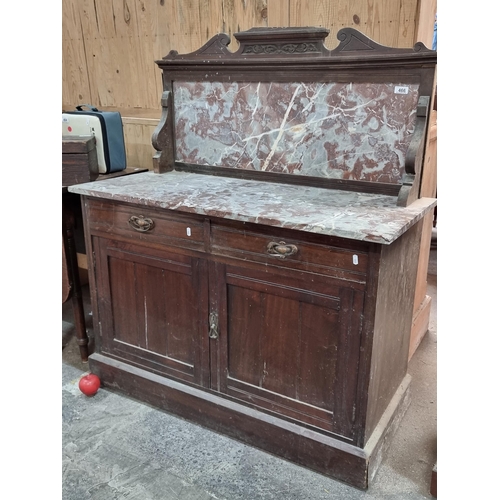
358 216
357 131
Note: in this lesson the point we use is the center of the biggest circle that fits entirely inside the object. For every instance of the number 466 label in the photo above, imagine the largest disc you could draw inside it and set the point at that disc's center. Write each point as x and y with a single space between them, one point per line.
400 89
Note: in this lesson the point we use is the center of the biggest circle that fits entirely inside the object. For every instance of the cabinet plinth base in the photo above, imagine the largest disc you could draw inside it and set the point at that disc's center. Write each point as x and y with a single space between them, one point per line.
305 447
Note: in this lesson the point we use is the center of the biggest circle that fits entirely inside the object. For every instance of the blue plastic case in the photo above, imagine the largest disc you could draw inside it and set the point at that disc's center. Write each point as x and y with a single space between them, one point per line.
107 128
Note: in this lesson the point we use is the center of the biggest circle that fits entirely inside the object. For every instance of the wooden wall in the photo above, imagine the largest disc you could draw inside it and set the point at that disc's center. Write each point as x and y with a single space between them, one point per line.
109 46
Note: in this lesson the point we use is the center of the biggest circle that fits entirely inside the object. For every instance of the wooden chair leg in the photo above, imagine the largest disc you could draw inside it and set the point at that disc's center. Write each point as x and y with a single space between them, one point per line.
76 291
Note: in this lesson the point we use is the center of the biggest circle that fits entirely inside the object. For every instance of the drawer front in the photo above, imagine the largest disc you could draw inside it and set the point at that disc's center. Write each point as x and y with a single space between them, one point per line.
289 252
145 224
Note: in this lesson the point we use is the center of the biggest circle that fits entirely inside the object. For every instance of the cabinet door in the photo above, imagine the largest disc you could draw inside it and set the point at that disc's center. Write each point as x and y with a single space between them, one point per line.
153 309
289 343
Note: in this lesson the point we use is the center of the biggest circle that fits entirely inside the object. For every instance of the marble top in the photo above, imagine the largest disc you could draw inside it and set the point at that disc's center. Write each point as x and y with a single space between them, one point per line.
353 215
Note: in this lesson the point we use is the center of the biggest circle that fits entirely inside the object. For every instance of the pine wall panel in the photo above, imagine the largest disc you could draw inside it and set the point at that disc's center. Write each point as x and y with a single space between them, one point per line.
109 46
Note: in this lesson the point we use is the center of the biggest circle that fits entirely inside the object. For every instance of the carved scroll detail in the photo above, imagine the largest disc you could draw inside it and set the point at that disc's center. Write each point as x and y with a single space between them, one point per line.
216 45
293 42
286 48
415 155
162 137
352 40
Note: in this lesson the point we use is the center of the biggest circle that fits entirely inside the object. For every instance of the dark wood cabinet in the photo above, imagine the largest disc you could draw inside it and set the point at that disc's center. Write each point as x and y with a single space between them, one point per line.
261 280
283 340
315 338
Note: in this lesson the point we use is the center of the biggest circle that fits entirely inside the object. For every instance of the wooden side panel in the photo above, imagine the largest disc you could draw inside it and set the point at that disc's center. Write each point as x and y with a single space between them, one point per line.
393 320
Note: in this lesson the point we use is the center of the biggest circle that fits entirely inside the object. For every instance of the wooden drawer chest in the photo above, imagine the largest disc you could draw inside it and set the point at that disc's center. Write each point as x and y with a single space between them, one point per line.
273 307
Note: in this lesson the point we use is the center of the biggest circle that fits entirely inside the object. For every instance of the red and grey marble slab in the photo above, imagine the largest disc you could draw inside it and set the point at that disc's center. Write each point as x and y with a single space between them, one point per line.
352 215
356 131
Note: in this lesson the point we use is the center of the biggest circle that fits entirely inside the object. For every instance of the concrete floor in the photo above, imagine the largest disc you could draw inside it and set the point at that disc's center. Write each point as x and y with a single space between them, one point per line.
115 448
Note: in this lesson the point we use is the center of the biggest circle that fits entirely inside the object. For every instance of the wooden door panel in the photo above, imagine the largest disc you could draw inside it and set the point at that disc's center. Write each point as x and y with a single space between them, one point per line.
156 309
150 286
279 339
282 345
244 347
284 349
162 324
317 355
181 321
123 300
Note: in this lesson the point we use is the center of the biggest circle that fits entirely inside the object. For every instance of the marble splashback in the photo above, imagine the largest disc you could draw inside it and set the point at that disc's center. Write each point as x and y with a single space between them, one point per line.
356 131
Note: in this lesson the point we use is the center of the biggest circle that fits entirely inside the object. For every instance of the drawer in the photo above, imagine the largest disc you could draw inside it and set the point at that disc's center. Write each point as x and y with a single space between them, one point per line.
139 223
288 251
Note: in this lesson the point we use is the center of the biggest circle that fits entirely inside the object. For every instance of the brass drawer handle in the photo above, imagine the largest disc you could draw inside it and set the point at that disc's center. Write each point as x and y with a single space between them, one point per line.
141 223
281 249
